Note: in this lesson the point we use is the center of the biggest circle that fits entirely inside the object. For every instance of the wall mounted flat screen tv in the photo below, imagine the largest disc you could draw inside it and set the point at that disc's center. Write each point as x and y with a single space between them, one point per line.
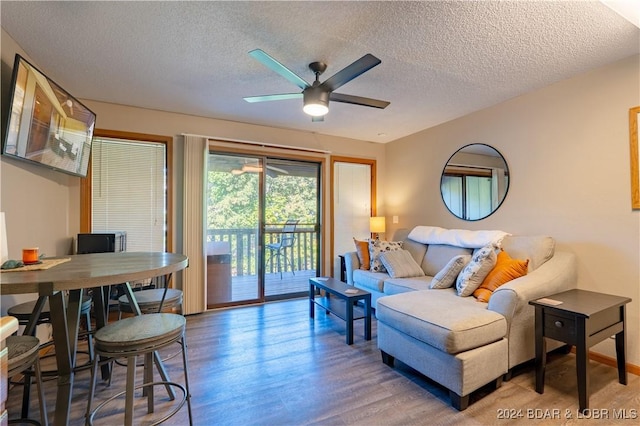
46 125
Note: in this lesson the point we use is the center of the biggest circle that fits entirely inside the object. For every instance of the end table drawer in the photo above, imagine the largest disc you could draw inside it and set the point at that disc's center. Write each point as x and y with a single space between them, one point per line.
560 328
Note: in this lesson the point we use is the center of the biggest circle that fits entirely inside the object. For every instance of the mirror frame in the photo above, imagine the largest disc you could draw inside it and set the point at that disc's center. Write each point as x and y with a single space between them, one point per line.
506 191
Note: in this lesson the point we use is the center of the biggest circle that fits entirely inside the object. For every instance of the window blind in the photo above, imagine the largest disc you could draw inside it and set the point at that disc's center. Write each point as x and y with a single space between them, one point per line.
129 191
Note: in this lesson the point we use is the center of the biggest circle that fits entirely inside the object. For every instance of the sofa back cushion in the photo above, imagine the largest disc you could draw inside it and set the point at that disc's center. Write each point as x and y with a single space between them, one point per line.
537 248
437 257
416 249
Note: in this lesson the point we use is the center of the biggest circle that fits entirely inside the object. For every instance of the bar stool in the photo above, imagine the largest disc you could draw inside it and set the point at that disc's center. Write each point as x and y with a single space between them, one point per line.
152 301
140 335
23 354
22 312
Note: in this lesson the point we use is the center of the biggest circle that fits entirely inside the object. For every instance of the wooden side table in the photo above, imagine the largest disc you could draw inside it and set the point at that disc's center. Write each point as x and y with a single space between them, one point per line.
580 318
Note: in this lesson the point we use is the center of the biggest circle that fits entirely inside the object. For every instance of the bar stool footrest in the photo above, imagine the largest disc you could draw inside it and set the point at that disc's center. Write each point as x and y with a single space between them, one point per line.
144 385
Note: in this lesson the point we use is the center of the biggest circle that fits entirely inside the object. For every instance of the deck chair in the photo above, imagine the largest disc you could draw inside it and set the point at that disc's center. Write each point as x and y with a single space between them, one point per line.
280 248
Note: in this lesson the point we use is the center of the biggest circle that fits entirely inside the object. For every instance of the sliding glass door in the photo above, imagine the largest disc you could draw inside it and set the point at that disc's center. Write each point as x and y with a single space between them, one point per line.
262 228
291 227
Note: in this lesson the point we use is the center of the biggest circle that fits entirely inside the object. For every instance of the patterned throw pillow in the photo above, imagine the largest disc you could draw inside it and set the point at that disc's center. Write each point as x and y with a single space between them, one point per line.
362 251
447 276
506 269
482 262
376 247
400 264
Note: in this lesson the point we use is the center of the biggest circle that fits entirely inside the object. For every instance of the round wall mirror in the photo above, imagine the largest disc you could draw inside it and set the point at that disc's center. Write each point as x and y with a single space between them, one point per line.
474 181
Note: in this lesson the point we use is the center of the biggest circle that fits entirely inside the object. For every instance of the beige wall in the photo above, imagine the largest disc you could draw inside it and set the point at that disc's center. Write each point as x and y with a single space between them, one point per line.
567 147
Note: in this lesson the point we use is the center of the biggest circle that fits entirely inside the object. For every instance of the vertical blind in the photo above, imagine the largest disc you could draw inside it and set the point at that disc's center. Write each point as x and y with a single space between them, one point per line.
129 191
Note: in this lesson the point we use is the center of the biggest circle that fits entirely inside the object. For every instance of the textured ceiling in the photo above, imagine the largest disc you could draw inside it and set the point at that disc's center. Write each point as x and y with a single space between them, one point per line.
440 59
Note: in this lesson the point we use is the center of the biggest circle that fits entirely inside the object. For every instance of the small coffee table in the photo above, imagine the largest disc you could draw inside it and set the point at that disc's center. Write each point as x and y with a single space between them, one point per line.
343 304
581 318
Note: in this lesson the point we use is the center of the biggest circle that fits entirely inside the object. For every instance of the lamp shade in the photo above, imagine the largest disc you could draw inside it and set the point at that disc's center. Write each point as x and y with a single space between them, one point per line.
316 101
377 224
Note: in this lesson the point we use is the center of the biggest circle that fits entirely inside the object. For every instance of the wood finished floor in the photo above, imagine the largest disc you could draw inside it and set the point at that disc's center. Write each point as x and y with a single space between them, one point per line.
273 365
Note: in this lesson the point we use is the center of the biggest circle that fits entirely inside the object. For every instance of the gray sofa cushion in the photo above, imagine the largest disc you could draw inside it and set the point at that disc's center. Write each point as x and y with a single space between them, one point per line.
538 249
438 256
442 319
368 280
417 250
402 285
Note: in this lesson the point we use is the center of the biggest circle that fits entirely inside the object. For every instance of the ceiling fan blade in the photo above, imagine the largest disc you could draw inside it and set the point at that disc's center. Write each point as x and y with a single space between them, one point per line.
280 97
278 170
317 119
358 100
276 66
350 72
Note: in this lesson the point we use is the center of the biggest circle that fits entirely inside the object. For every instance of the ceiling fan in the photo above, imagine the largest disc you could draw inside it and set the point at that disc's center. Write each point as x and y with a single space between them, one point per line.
316 96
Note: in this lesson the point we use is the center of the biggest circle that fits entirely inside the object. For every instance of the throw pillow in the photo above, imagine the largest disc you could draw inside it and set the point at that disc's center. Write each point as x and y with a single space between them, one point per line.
447 275
400 264
376 247
362 251
482 262
506 269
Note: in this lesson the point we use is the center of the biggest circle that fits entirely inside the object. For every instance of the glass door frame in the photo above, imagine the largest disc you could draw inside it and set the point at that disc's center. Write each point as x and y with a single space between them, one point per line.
263 156
259 229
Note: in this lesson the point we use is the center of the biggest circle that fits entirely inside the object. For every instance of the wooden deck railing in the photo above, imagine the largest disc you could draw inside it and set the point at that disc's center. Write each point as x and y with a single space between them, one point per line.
244 248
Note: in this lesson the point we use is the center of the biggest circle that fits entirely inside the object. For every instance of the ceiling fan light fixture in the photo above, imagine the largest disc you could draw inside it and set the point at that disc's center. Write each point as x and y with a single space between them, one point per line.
315 110
316 102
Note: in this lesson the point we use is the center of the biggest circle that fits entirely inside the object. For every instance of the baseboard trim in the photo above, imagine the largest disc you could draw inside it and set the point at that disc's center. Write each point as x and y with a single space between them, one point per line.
607 360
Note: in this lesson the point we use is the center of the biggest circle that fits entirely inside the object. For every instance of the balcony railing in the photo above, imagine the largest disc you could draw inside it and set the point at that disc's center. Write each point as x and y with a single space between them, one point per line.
243 243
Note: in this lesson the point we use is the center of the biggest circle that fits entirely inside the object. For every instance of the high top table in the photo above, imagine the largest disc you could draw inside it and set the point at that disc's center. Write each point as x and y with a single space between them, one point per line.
85 271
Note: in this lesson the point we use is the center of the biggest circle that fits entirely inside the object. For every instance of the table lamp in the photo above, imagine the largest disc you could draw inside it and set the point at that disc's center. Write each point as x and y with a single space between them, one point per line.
377 226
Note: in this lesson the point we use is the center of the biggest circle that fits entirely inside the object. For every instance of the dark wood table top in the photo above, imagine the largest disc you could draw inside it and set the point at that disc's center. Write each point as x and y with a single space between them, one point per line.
581 302
92 270
337 287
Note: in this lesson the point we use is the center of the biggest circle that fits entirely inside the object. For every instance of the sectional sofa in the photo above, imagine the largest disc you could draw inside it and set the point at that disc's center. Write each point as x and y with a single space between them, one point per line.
461 342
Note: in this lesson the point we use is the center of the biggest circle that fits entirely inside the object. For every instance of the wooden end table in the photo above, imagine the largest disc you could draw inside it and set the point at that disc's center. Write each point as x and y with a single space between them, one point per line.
343 304
581 318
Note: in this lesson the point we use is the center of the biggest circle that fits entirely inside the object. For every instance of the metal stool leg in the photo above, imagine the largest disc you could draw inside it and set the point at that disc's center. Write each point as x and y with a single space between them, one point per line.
131 383
41 401
186 377
87 319
92 387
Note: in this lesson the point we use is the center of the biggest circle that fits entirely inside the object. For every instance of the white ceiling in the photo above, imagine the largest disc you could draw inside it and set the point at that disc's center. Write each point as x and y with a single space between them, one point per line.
440 59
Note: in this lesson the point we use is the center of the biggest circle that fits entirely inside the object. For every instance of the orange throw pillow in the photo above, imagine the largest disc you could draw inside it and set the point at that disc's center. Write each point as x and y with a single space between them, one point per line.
506 269
362 250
